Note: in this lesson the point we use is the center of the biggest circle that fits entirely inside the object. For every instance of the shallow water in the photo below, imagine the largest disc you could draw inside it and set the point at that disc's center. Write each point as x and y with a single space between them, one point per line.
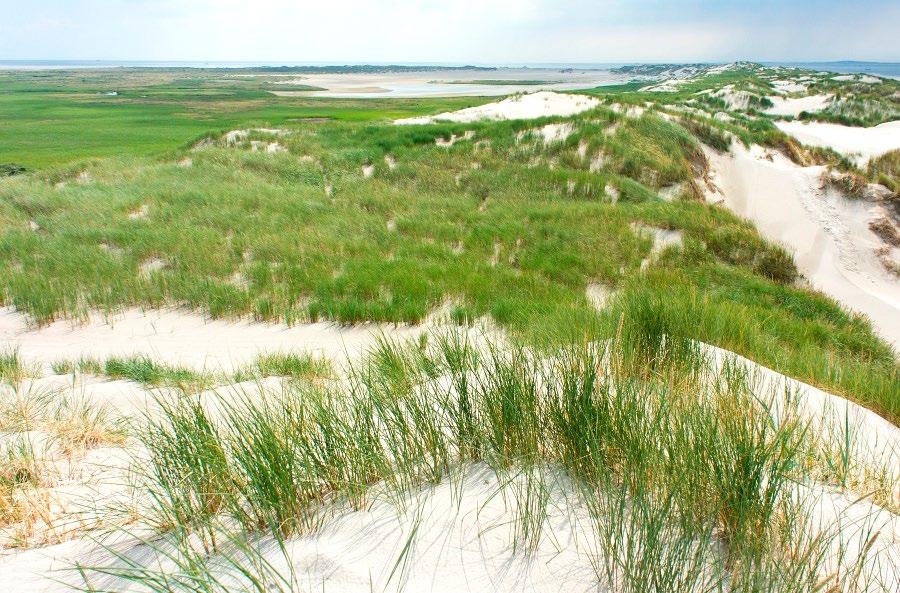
456 83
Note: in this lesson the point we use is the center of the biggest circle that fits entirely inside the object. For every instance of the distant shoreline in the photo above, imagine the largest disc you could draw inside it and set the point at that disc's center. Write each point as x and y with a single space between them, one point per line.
891 69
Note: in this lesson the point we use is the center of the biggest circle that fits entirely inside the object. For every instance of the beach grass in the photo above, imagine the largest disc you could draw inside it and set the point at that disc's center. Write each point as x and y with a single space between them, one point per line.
144 370
688 481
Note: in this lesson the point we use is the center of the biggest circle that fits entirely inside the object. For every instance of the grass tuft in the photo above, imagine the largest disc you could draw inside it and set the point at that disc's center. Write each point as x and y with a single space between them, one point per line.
144 370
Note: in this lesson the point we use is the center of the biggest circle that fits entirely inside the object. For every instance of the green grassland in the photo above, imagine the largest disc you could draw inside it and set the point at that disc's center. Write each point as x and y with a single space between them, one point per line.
500 225
49 118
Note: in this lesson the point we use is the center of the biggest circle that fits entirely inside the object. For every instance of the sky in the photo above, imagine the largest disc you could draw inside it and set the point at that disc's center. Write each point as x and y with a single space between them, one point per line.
450 31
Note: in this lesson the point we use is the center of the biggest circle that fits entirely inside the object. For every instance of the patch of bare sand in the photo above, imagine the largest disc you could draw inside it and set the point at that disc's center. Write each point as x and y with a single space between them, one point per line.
188 339
556 132
858 144
662 240
184 338
794 106
531 106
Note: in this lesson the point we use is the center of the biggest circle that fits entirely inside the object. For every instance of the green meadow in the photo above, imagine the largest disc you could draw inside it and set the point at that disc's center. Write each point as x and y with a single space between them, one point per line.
52 118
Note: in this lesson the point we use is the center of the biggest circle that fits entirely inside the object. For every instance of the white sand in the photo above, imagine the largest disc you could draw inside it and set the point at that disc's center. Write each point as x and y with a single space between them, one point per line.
556 132
793 107
598 294
630 111
735 100
461 534
183 338
268 147
532 106
827 233
453 139
141 212
855 529
671 192
864 78
662 240
846 519
668 86
858 144
235 136
789 86
456 83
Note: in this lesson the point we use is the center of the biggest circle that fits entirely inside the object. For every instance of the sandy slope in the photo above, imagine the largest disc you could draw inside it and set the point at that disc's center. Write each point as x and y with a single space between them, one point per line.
828 234
872 441
795 106
532 106
460 533
184 338
456 536
858 144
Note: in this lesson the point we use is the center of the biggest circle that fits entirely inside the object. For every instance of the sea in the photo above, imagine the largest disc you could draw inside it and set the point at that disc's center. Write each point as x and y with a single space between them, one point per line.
888 69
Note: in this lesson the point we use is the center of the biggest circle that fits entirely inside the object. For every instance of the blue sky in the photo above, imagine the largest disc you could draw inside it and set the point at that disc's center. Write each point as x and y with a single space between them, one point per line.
471 31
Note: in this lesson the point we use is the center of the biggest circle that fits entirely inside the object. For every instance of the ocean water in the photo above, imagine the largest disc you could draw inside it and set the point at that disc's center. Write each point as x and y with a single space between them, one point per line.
890 69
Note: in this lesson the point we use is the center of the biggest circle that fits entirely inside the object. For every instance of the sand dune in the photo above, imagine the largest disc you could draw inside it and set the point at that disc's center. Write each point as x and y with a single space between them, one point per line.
858 144
827 233
795 106
456 536
532 106
188 339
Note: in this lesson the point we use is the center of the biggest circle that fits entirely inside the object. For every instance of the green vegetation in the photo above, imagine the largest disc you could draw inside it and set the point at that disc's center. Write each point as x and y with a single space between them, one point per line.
886 170
295 366
147 372
18 471
142 369
34 422
12 369
10 169
52 118
83 365
501 224
863 104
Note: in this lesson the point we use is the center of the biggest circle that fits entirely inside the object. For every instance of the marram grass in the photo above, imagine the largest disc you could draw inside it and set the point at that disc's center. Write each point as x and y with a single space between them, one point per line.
688 477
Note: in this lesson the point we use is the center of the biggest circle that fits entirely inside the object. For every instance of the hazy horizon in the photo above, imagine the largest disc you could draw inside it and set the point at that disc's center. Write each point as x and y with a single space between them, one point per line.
464 32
